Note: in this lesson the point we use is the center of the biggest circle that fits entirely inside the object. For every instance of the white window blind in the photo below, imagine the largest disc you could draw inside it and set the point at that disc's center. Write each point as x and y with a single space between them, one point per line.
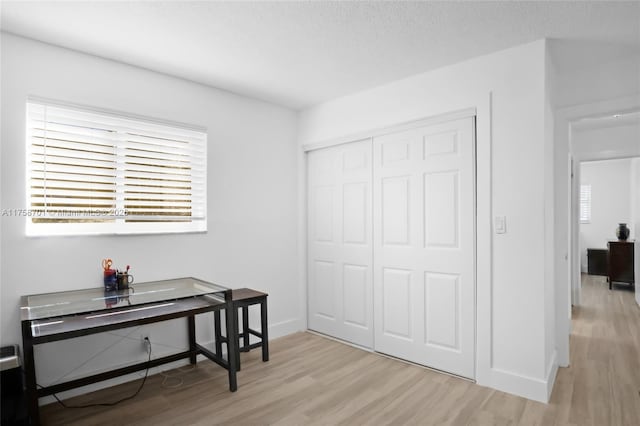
93 172
585 203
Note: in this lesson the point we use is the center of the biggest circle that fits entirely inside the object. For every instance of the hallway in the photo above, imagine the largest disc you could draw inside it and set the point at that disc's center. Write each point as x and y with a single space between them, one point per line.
603 380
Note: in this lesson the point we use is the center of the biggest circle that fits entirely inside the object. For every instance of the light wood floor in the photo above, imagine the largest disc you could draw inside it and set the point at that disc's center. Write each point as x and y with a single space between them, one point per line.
313 380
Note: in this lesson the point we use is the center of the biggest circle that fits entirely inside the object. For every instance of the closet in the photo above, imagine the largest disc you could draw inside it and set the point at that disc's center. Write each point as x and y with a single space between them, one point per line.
391 244
339 270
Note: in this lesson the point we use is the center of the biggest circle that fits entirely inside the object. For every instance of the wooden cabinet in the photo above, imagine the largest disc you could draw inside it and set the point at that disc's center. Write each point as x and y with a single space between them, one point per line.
620 262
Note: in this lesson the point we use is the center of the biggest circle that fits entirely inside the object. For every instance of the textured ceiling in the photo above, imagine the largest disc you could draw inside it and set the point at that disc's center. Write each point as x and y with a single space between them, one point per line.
299 54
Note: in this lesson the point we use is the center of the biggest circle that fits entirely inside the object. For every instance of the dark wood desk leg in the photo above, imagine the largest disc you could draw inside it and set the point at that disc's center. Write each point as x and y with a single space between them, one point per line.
245 327
218 332
191 325
237 337
30 374
265 332
232 344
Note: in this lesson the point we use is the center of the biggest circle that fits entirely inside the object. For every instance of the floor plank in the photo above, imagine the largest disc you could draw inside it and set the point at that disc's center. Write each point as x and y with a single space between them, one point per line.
316 381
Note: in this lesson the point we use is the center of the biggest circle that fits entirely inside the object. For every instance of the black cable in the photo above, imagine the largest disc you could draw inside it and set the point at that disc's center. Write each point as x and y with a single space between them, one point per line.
111 404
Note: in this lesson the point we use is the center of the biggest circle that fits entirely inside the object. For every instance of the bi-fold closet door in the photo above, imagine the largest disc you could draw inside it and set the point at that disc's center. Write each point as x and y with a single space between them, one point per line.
416 289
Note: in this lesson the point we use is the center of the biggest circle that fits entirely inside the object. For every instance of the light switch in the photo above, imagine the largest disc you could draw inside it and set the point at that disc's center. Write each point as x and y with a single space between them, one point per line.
500 224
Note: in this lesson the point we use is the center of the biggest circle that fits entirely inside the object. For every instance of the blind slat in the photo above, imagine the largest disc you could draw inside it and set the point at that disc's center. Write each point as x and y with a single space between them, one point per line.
60 134
54 178
83 163
72 153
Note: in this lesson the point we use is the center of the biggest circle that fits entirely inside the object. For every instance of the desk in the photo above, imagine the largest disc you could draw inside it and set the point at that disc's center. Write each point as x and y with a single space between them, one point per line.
64 315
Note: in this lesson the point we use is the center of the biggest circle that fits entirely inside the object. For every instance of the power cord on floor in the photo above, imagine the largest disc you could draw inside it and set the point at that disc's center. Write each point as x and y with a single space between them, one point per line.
111 404
177 378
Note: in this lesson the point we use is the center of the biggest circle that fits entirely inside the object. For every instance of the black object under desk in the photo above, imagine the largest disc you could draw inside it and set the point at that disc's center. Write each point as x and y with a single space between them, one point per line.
597 261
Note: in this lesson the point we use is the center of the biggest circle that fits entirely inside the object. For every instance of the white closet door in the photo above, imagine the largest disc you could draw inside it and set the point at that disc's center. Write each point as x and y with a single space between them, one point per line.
340 297
424 243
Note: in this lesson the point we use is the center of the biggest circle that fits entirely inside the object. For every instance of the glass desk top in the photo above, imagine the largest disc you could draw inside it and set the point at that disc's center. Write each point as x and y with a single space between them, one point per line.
49 305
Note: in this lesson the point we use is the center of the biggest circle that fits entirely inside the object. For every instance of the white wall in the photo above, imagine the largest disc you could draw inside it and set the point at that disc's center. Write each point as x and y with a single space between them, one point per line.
508 90
252 202
603 143
610 202
591 72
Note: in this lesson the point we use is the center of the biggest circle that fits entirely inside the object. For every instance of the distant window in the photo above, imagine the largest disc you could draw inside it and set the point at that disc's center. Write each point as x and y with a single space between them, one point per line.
585 203
100 173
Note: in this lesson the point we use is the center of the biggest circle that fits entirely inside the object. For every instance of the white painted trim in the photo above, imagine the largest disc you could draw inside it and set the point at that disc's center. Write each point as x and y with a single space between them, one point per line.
552 372
356 137
302 239
574 217
284 328
526 386
521 385
484 239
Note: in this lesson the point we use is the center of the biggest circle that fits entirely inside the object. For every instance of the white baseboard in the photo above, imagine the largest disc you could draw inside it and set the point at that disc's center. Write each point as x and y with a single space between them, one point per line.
552 372
524 386
286 327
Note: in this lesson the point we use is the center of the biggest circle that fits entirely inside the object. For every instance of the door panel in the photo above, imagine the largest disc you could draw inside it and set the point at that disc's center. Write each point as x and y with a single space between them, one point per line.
355 287
323 205
395 210
424 253
441 216
396 312
340 234
442 299
324 276
443 143
355 212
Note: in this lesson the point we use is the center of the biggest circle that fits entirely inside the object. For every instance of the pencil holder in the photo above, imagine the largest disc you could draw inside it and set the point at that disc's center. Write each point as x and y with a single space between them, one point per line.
110 280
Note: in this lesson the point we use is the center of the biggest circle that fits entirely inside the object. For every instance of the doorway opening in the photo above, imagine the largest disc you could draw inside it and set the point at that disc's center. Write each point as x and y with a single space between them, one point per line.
570 151
605 194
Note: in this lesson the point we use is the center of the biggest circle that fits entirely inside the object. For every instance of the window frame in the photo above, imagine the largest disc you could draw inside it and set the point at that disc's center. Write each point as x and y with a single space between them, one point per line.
196 224
585 203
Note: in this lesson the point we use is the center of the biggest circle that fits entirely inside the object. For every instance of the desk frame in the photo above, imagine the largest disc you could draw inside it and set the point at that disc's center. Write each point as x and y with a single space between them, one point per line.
29 341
